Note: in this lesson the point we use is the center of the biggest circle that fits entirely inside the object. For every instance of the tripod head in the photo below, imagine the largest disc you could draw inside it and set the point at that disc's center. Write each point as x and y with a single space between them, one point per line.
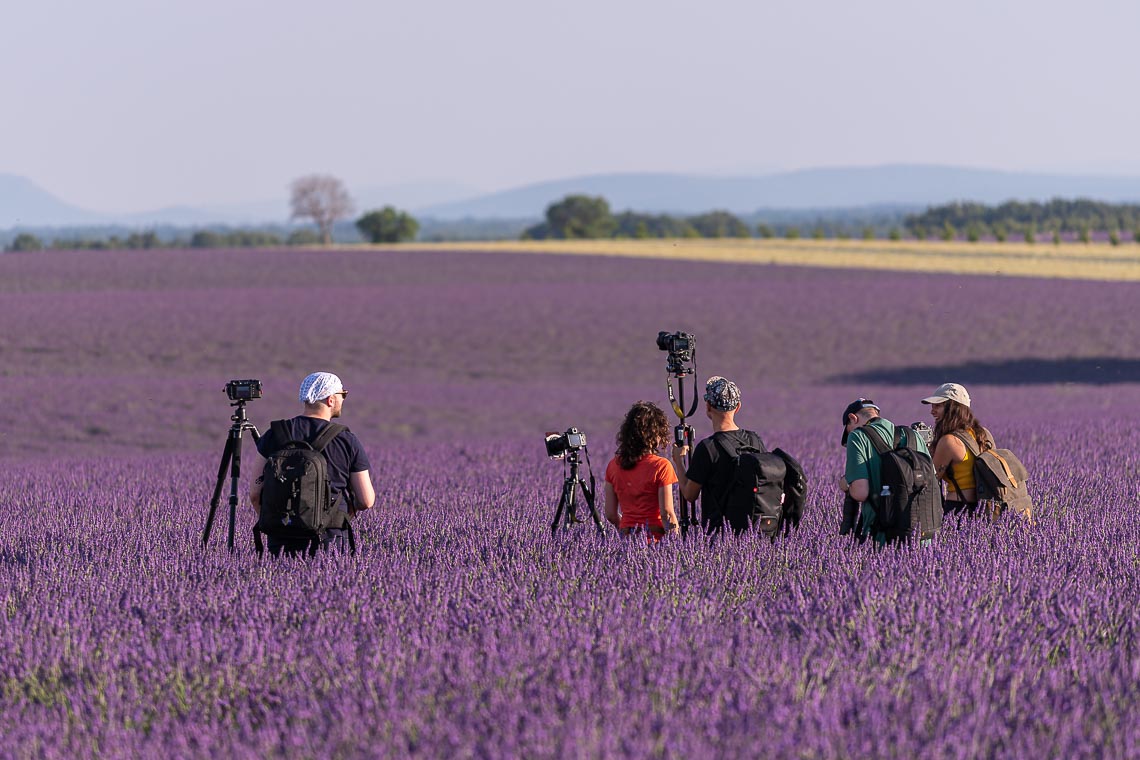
239 415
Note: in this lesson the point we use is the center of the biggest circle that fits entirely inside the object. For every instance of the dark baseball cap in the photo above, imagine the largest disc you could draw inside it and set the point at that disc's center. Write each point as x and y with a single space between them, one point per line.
722 393
854 408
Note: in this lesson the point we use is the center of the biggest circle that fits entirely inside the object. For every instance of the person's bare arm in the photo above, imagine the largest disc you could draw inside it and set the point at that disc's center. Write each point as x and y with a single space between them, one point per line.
690 489
949 450
363 492
860 489
665 504
611 506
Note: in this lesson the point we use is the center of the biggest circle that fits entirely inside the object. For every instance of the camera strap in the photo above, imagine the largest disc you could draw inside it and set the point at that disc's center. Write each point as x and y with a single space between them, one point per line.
677 408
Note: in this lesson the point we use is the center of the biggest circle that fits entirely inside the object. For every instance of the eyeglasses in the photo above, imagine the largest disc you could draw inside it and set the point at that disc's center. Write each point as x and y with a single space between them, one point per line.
342 394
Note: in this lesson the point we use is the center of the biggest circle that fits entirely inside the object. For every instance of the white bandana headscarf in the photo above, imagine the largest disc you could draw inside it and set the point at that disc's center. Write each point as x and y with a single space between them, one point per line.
319 386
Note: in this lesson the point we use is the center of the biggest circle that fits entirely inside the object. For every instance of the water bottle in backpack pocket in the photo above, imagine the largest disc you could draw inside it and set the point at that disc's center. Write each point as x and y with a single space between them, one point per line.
910 499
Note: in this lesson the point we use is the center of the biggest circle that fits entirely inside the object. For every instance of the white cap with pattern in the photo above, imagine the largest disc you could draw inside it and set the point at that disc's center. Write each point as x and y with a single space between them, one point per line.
319 386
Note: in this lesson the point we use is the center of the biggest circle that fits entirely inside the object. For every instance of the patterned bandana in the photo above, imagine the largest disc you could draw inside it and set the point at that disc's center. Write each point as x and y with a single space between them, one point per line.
319 386
722 394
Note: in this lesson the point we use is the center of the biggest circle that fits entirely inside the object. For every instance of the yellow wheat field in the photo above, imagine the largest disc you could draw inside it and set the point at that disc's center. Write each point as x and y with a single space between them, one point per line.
1070 261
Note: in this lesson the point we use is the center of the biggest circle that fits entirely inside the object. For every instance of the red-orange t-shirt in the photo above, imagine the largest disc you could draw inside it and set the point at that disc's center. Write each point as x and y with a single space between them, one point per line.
636 489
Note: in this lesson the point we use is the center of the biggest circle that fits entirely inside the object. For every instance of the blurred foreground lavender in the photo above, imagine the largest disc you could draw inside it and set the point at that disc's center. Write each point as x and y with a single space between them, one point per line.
463 629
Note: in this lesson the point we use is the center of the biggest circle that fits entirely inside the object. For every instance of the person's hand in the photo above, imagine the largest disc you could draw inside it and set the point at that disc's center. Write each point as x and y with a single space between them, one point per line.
679 454
673 528
843 485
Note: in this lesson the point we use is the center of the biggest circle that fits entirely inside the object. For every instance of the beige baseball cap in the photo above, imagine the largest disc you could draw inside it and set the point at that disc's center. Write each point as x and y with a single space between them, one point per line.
948 392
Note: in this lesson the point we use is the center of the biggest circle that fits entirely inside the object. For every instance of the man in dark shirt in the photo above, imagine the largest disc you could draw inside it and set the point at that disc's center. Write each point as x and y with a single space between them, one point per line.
710 470
323 395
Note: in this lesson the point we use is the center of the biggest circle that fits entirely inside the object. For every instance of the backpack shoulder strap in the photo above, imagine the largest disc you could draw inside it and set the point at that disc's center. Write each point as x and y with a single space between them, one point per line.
876 439
968 441
720 446
954 482
280 433
722 495
326 436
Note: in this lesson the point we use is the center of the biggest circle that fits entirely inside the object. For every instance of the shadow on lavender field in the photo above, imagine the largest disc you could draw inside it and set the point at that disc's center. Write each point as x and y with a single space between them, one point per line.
1106 370
464 628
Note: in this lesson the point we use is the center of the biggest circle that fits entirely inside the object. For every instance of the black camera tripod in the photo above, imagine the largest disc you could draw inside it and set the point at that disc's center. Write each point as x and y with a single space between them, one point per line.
231 459
567 502
683 432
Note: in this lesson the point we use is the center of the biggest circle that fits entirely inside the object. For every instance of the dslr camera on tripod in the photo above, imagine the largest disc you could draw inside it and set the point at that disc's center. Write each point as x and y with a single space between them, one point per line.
243 390
682 348
558 445
565 446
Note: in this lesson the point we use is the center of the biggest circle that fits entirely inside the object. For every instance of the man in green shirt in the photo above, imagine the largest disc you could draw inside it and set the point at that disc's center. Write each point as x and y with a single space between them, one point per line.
862 475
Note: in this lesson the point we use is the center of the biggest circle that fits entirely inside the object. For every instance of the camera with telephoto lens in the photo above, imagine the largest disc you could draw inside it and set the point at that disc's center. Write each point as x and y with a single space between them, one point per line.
243 390
560 444
681 347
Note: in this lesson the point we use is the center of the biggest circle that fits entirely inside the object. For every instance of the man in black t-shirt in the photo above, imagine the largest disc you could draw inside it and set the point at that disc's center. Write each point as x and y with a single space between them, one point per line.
323 395
710 469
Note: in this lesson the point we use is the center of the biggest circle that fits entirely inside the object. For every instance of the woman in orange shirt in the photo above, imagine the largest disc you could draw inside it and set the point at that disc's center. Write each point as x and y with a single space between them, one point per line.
639 483
954 424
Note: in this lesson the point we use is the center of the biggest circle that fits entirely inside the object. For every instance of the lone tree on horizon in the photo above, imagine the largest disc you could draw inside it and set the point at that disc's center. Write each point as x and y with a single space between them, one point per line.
322 198
388 225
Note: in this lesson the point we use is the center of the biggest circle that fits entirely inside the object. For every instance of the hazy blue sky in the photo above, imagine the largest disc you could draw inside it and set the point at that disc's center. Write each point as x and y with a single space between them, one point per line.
123 105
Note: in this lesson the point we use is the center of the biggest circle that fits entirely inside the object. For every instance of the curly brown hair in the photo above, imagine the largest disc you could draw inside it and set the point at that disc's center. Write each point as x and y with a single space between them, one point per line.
957 417
644 430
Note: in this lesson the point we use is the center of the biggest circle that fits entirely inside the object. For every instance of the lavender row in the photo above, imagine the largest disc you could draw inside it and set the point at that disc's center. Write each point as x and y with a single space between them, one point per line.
464 628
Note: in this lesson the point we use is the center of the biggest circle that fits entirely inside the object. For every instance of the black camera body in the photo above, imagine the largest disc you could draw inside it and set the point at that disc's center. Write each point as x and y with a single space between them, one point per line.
924 431
243 390
559 445
682 347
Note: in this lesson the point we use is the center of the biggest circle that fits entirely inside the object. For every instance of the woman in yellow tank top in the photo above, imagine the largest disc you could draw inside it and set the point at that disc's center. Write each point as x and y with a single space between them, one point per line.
953 459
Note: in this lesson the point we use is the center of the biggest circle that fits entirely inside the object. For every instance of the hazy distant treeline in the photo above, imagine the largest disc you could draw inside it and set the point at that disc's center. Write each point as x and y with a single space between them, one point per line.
583 216
1081 218
117 238
580 216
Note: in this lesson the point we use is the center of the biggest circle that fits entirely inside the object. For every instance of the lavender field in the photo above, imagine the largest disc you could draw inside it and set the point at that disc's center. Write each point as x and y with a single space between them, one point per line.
462 628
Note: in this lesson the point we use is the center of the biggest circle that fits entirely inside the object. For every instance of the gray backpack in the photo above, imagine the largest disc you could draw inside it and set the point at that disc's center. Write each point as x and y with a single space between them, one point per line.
1000 477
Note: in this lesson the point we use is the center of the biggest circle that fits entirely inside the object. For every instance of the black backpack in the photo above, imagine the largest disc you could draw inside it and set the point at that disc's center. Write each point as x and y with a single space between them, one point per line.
915 499
795 491
296 499
765 491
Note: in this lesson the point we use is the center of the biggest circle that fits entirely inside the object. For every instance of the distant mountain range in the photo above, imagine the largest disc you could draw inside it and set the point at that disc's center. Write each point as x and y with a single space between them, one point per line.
907 185
24 204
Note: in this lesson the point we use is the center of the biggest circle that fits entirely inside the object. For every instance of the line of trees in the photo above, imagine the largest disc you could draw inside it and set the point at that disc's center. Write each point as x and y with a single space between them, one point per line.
320 198
323 200
1080 219
586 216
208 238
